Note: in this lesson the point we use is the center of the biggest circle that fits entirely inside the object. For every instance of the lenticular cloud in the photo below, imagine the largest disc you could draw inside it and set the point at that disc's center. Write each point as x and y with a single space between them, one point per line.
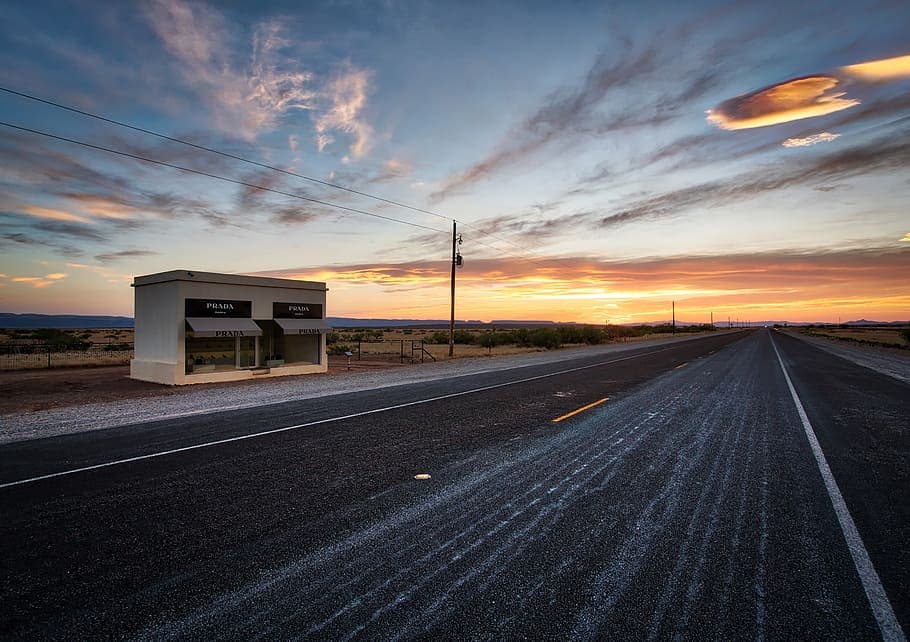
806 96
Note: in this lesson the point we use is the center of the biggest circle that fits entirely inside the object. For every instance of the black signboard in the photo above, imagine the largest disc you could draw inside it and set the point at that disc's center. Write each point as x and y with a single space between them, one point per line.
296 310
219 308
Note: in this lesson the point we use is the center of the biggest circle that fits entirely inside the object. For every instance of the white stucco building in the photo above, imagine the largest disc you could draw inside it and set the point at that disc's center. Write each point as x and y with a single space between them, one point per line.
196 327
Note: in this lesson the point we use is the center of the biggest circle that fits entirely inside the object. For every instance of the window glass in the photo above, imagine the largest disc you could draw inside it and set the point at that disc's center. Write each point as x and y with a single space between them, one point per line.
215 354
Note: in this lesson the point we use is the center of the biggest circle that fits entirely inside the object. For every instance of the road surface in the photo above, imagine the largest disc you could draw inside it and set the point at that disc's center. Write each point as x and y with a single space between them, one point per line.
743 485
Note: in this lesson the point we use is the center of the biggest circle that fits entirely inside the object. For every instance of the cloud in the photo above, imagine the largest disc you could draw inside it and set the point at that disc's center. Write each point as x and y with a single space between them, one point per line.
53 214
392 169
40 281
31 240
814 139
878 155
295 215
805 97
43 182
346 94
880 70
906 238
293 143
253 96
70 230
795 99
125 254
243 101
572 287
568 109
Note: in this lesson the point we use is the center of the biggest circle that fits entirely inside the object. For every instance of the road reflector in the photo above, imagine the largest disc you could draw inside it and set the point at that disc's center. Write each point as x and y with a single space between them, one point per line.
422 476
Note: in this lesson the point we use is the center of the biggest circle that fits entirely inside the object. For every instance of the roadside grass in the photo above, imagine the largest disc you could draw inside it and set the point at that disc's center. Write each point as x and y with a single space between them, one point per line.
883 337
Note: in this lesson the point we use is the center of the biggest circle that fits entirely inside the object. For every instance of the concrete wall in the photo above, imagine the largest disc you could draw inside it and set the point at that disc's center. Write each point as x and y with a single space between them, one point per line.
159 323
159 334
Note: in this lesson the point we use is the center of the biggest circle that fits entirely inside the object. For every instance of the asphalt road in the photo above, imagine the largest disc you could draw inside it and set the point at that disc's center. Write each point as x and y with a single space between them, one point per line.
688 502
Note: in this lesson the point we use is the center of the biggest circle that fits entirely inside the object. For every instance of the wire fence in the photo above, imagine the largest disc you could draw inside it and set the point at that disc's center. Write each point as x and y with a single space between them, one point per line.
17 356
400 350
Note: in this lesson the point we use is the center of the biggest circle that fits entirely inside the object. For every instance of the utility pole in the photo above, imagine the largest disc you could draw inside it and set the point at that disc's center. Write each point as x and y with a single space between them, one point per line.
674 317
712 320
452 307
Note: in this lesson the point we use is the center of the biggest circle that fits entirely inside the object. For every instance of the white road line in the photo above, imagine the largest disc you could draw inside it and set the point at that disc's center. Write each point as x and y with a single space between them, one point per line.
878 600
325 421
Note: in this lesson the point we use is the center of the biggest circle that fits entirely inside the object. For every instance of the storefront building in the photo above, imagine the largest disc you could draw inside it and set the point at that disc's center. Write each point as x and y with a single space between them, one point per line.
198 327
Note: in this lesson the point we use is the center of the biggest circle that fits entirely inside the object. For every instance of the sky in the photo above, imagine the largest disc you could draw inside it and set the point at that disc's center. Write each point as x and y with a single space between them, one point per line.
749 160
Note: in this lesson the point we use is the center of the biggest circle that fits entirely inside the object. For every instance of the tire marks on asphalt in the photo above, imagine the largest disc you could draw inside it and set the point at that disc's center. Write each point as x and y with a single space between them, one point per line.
678 452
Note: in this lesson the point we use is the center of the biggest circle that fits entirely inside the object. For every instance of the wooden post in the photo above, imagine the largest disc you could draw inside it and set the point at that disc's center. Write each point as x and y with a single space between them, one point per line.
452 306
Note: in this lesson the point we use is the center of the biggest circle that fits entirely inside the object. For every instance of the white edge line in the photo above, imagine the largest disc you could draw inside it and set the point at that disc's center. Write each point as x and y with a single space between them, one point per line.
325 421
875 592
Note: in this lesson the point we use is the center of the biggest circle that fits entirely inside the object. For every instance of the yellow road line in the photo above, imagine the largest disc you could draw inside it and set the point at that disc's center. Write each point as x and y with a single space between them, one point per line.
582 409
682 365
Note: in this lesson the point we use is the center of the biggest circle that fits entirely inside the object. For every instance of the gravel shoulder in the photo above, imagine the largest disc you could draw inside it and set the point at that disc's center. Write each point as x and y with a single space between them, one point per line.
894 363
115 400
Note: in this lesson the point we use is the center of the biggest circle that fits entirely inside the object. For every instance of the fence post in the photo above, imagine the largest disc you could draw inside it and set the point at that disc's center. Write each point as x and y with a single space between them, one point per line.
358 350
48 356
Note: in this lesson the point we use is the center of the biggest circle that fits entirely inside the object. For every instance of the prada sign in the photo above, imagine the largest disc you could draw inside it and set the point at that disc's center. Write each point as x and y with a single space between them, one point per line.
296 310
218 308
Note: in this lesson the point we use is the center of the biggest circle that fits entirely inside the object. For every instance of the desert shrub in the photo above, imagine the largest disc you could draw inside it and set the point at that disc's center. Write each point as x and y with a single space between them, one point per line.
339 349
544 338
492 338
487 340
59 339
905 334
464 337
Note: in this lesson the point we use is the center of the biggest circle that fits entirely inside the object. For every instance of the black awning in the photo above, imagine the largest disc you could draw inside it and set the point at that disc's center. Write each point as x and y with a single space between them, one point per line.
304 326
205 327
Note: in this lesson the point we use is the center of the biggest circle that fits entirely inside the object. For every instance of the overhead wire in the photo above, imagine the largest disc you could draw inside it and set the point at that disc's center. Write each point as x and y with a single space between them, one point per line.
249 161
219 177
219 152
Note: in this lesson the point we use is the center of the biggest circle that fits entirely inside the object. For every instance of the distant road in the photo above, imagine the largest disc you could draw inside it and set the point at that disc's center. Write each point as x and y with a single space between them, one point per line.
743 485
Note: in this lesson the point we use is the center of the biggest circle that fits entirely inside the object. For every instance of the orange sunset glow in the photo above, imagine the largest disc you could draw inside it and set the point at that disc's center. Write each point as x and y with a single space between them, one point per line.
592 291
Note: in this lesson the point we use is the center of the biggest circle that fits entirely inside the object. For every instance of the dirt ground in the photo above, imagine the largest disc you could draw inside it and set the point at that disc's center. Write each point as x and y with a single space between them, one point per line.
32 390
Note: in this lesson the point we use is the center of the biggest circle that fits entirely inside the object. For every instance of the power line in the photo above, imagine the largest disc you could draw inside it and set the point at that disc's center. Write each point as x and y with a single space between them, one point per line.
219 152
218 177
242 159
253 185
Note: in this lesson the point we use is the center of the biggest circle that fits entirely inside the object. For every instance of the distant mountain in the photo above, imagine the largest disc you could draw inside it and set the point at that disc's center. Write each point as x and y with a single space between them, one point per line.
867 322
350 322
62 321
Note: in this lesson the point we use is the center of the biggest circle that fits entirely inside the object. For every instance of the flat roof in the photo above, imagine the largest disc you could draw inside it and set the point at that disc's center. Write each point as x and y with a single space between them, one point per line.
194 276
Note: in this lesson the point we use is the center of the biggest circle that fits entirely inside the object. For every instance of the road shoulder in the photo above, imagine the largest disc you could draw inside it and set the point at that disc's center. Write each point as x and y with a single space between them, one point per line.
894 363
